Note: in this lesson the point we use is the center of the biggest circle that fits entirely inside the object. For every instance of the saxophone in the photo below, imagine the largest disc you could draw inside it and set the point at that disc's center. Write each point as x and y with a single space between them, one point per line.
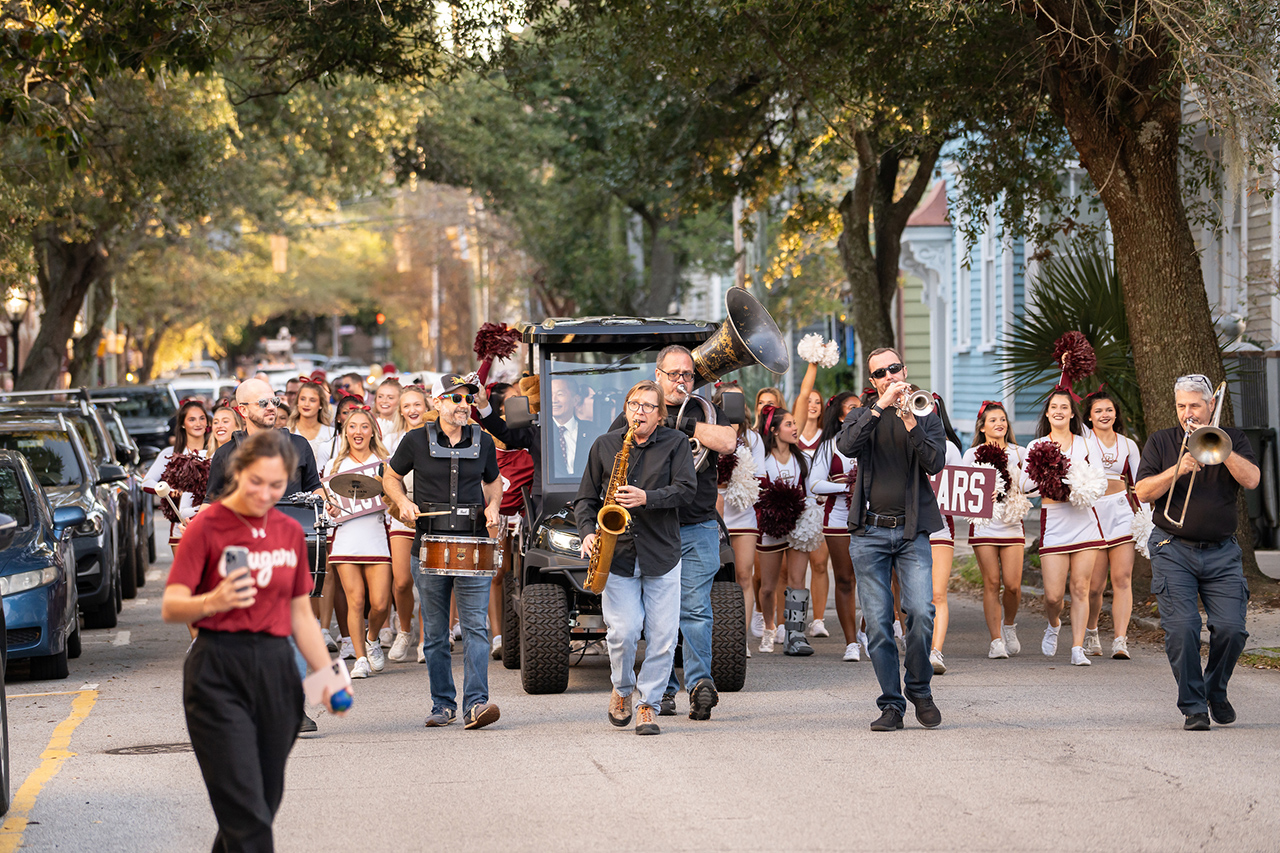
612 520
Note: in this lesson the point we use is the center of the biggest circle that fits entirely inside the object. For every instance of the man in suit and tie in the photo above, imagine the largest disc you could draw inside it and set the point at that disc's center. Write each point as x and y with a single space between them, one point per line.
572 440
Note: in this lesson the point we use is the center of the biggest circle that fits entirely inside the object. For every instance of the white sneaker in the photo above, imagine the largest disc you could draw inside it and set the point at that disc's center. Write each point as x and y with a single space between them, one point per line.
348 650
935 658
818 628
1049 645
998 650
377 657
496 652
1120 648
1009 633
400 647
780 634
861 637
766 641
1078 657
387 636
329 642
748 649
1092 645
456 633
899 638
757 623
852 652
361 669
422 655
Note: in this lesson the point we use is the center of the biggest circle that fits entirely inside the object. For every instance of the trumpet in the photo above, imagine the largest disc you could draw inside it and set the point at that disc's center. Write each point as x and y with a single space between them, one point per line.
918 403
1208 445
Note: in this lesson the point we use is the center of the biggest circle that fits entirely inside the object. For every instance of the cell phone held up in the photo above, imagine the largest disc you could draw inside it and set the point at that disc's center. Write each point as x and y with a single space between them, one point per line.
234 558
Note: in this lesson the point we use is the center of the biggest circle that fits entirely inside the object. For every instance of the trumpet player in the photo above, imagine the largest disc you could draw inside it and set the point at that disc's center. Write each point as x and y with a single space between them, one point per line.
1196 555
654 477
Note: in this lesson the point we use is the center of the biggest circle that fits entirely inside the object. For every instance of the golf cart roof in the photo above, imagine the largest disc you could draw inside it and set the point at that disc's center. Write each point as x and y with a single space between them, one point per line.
593 331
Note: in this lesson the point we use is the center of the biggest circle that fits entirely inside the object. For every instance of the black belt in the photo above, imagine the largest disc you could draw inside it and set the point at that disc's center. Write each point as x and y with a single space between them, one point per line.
890 521
1199 544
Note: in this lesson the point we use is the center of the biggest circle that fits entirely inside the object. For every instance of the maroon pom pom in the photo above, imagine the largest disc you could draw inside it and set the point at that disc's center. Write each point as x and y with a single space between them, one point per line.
998 458
724 468
1047 465
1075 355
186 472
495 340
779 507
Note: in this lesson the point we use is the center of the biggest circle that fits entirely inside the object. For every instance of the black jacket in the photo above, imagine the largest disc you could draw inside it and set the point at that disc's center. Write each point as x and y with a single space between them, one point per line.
927 455
305 478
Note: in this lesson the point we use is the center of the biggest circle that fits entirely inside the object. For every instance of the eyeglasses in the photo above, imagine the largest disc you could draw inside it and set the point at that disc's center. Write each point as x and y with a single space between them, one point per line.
637 406
678 375
268 401
460 398
896 367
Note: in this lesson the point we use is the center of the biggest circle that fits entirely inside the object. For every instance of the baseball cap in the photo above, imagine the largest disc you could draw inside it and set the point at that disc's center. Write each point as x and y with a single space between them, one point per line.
452 383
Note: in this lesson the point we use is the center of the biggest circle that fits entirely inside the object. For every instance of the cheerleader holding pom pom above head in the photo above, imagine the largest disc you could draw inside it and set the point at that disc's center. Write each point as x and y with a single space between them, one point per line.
808 411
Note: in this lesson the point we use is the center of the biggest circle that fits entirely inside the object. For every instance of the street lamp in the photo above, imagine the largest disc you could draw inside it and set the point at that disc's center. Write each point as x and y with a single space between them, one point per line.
16 308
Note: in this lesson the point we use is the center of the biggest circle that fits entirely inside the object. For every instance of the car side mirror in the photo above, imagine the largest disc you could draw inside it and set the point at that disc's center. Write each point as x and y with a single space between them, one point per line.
8 527
734 406
67 518
516 411
111 474
147 453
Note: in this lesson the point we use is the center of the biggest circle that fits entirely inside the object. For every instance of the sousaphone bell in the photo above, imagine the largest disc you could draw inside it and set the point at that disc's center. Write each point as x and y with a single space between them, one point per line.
747 336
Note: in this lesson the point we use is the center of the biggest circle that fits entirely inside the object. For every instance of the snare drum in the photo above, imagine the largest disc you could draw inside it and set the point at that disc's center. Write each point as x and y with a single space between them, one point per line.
461 556
315 531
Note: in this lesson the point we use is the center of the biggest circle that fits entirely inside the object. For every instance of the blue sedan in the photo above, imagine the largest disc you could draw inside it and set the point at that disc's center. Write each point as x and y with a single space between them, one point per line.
37 573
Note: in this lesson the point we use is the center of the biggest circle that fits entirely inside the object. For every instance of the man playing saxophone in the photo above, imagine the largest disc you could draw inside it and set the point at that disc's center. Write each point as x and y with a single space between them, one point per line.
643 591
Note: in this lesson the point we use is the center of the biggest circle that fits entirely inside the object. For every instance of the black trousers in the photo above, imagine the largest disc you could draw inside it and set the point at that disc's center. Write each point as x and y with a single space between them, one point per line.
243 703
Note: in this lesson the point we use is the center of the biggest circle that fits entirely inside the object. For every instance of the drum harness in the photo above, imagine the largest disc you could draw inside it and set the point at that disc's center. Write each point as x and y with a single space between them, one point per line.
463 518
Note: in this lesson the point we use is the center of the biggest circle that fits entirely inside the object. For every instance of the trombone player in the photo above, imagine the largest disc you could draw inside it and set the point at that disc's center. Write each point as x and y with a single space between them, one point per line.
1199 471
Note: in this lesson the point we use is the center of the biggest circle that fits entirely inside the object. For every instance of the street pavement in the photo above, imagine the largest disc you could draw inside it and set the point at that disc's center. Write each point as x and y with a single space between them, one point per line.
1032 754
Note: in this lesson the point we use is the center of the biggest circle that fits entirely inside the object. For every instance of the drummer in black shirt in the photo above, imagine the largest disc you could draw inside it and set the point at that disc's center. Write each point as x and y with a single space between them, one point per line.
1199 559
471 495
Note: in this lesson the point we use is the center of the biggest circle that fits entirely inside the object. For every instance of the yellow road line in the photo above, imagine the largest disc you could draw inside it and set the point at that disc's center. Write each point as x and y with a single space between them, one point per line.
51 761
34 695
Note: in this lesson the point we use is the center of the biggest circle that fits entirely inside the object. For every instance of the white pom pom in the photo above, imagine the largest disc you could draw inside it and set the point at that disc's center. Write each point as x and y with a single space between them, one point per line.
1143 524
743 489
1087 484
1014 507
830 354
807 534
811 349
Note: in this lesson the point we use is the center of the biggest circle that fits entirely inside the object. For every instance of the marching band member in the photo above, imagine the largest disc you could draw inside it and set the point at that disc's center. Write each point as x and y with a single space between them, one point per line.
891 516
643 589
999 546
739 487
942 548
1120 459
831 480
411 412
1200 558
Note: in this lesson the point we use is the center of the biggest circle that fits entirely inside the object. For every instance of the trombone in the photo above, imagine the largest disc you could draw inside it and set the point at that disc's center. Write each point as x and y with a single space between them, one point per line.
1208 445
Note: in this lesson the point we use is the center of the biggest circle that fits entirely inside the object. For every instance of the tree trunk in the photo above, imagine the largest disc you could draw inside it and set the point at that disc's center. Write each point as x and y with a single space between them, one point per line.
664 264
65 271
84 355
149 350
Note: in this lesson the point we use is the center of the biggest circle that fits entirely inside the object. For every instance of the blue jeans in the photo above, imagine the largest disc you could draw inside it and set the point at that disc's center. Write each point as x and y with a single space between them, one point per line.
699 562
651 605
473 606
878 554
1179 574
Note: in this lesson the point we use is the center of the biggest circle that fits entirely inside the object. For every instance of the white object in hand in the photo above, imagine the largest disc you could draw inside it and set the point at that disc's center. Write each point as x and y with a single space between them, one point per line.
165 492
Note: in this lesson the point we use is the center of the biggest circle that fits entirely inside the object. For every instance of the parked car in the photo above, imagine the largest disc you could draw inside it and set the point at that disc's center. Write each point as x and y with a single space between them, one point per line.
8 529
63 467
37 573
146 410
210 390
136 460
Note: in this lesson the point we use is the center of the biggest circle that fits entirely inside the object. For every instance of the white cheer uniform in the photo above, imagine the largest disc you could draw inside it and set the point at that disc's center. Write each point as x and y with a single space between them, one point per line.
831 481
1065 528
361 540
1115 512
739 520
998 532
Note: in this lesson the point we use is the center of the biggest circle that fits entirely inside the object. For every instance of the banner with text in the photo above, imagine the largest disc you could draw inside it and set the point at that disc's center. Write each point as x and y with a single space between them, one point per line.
352 508
964 490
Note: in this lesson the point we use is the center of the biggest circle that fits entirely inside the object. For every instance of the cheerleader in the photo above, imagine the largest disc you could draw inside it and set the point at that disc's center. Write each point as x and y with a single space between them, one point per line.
1119 456
410 414
738 487
340 411
768 396
386 404
360 550
831 481
191 436
783 463
942 545
809 409
1070 536
1000 545
312 420
222 423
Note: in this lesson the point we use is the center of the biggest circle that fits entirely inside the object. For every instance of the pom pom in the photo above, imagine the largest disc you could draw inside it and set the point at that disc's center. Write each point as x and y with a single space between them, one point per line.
743 489
807 534
810 348
830 354
495 340
998 458
979 523
779 508
1075 355
1014 508
1087 484
1143 524
1047 466
724 468
185 472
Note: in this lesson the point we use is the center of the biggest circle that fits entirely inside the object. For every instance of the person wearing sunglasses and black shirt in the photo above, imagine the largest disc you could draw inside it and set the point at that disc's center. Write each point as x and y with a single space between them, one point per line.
256 403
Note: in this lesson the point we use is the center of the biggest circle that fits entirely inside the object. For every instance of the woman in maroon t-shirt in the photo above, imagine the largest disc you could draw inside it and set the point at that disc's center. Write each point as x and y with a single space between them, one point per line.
240 685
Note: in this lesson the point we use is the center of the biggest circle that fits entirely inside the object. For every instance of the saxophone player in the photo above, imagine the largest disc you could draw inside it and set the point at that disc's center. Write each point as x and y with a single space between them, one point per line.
654 477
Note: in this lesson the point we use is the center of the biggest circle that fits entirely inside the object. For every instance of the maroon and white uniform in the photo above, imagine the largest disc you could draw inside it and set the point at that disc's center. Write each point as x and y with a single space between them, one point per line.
998 532
1064 528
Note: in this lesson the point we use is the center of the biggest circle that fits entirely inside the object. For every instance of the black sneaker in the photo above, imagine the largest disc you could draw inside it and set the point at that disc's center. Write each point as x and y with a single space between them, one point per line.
702 698
440 718
667 705
481 715
1222 712
927 713
308 725
1196 723
891 719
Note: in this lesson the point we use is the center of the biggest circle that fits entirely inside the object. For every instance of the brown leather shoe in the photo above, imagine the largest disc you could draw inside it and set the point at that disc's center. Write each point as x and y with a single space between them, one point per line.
647 721
619 709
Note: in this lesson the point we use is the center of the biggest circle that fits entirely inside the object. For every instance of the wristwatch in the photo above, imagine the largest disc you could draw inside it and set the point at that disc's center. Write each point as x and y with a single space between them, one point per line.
875 407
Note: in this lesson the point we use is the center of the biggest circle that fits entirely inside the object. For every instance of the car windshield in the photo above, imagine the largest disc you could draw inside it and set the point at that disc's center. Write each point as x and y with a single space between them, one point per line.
89 437
584 392
146 402
49 452
12 502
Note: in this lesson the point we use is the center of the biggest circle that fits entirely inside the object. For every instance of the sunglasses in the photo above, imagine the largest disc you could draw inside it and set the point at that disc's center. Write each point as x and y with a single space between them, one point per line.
460 398
896 367
269 401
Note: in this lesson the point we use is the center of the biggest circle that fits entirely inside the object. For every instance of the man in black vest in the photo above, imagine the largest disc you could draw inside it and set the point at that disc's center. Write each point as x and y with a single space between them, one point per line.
455 472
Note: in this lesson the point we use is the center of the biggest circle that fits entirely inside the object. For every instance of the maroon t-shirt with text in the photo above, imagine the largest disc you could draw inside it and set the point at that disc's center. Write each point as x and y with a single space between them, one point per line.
278 564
